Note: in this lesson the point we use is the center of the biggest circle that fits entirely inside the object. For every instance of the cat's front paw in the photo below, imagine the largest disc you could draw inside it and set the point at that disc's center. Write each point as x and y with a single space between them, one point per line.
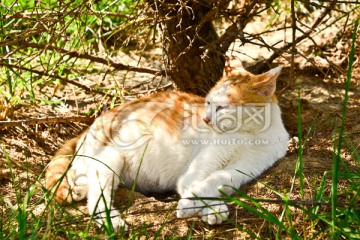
79 187
215 212
188 207
117 222
79 192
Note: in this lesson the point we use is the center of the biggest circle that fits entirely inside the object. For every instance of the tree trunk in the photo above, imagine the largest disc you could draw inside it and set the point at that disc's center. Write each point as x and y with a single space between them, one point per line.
187 30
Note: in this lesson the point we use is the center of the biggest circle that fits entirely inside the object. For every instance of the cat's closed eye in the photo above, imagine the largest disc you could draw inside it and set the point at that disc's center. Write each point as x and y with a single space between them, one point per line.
218 108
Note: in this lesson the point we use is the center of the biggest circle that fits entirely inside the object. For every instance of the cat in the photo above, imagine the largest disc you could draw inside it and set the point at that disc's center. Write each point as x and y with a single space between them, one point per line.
175 141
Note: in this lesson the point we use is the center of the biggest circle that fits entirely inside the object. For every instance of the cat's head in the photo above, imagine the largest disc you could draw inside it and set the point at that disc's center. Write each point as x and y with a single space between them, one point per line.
233 101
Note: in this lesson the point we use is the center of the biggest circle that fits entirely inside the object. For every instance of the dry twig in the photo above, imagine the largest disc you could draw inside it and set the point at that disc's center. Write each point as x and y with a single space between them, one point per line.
264 64
34 121
64 80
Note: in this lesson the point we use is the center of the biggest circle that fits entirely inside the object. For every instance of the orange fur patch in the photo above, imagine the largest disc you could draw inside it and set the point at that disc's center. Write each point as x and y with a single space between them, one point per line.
55 179
241 88
166 111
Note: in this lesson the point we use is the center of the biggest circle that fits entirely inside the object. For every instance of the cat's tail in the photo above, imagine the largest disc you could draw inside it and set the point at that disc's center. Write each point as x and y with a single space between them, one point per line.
56 172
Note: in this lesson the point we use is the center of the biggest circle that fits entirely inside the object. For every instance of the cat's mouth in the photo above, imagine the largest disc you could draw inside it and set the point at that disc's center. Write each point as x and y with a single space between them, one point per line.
218 108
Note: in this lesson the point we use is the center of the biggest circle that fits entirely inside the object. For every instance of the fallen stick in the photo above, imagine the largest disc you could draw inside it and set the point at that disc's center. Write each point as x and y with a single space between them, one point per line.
34 121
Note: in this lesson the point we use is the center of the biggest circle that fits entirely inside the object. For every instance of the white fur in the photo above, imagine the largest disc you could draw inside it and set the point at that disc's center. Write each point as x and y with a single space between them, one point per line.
164 162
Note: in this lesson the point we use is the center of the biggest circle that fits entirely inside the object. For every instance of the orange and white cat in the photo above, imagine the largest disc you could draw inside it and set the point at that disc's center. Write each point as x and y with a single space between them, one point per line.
175 141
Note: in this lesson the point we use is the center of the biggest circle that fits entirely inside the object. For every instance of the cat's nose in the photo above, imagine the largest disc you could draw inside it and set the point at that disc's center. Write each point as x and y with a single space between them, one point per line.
206 120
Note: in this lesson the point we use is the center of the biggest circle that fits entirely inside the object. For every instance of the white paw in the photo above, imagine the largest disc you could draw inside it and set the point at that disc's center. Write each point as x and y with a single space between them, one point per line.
79 191
215 212
78 185
117 222
188 208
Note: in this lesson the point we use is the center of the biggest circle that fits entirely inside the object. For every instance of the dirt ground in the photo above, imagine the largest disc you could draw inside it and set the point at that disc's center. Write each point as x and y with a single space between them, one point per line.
28 148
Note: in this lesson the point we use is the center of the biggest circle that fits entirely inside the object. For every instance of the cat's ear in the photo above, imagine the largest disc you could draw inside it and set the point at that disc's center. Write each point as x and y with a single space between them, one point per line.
266 85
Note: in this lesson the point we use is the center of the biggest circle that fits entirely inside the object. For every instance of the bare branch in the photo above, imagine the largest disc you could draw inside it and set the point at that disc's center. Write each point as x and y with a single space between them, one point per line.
262 65
34 121
64 80
235 30
74 54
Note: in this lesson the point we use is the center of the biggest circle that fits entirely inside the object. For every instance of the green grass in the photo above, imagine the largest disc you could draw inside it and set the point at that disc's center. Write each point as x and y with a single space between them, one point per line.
29 73
337 156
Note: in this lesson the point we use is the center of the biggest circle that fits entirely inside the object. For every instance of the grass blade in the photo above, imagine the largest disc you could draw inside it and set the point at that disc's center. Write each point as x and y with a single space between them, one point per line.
337 157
